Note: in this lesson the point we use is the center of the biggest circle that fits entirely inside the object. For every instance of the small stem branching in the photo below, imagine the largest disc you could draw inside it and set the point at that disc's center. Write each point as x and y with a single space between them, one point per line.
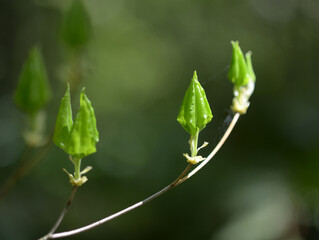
28 160
182 178
62 215
216 149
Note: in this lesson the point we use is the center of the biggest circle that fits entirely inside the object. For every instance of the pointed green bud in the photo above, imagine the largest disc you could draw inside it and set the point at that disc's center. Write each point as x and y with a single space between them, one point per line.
238 73
241 73
76 27
250 69
84 134
195 111
78 139
33 90
64 121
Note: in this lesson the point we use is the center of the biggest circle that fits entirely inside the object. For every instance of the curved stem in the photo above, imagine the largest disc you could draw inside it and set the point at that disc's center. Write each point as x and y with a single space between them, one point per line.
63 213
126 210
177 182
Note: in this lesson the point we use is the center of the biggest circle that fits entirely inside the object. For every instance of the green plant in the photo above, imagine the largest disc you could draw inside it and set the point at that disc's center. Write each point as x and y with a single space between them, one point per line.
193 115
78 139
76 28
242 75
34 92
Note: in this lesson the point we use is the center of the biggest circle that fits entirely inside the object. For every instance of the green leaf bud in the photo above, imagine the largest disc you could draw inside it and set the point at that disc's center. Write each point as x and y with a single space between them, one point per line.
33 90
241 73
64 121
78 139
195 111
84 134
250 69
238 73
76 26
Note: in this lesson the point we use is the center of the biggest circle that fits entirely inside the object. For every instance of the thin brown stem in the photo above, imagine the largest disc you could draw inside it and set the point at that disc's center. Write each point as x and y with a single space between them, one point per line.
62 215
35 160
186 170
10 182
174 184
28 162
126 210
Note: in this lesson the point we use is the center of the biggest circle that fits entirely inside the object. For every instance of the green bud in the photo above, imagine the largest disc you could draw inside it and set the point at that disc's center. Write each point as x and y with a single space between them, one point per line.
78 139
242 75
76 27
33 90
84 135
195 111
250 69
238 72
64 121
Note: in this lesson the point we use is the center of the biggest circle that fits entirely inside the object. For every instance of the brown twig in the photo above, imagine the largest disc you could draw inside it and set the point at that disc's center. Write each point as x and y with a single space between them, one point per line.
177 182
62 215
10 182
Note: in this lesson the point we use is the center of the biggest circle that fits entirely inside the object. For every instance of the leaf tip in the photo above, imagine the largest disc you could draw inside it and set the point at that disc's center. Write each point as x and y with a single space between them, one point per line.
195 74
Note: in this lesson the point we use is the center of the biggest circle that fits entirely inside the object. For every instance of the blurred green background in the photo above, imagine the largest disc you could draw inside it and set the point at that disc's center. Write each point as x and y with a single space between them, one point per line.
262 185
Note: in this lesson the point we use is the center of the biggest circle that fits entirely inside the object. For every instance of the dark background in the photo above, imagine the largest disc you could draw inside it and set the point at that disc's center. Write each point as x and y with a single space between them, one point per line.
262 185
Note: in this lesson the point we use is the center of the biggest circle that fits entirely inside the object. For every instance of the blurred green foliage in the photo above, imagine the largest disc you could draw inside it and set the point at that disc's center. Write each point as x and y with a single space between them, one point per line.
33 90
76 27
138 64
